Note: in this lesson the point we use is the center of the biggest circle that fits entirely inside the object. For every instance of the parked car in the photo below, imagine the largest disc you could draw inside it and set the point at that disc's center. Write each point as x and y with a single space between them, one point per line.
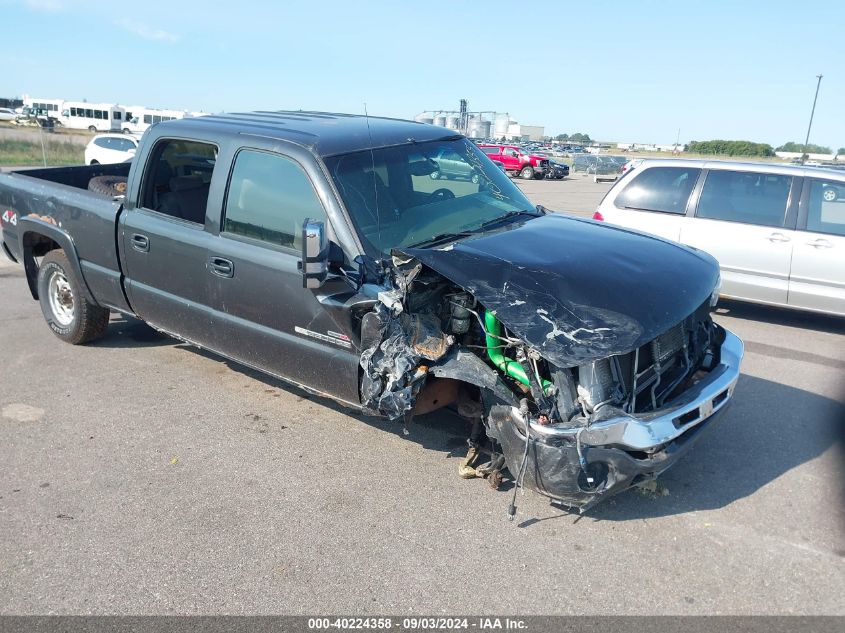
778 231
318 249
7 114
517 161
107 149
600 167
557 171
451 165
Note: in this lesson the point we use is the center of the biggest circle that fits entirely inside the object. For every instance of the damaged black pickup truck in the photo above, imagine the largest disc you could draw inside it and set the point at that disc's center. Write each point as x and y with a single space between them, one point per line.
332 251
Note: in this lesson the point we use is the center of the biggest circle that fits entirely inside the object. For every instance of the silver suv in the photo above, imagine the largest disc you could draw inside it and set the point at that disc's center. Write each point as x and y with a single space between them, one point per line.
778 231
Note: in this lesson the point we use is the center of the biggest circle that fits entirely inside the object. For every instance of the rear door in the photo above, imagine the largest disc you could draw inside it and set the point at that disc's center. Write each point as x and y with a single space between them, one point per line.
817 277
653 200
741 219
165 243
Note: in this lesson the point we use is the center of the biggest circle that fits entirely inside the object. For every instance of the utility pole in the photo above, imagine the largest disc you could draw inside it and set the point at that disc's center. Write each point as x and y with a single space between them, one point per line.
812 112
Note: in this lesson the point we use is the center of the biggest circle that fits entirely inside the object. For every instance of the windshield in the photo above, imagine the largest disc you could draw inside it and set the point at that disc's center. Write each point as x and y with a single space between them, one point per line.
406 195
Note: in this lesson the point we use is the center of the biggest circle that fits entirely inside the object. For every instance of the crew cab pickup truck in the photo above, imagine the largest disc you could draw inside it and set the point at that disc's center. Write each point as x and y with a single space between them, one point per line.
318 248
517 161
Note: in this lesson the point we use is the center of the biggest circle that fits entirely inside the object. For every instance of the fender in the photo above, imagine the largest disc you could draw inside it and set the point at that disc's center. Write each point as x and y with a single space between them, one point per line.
29 229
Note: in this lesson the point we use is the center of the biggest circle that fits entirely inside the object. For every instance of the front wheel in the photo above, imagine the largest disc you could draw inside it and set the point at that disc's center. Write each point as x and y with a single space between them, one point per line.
92 128
71 316
829 195
527 172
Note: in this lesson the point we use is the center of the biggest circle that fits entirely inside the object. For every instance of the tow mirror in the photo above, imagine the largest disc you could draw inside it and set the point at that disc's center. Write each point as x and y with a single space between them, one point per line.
315 254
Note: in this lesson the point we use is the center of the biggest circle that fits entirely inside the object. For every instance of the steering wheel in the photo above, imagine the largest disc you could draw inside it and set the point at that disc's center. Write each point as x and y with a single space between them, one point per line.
439 194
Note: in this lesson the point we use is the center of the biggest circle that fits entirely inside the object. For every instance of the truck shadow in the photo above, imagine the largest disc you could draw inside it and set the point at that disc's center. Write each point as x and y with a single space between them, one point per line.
125 331
769 429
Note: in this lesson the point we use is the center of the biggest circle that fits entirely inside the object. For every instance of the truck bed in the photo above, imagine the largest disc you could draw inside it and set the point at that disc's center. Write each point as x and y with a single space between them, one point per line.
54 203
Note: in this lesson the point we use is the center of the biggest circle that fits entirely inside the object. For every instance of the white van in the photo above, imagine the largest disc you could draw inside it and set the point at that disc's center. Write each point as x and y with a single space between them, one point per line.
778 231
96 117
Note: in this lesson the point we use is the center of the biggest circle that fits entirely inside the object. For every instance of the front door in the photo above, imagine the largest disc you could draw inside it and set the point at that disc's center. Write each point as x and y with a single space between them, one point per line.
164 242
741 220
262 314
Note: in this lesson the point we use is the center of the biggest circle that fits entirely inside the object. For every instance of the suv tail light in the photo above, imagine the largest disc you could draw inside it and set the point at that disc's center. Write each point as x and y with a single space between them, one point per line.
598 216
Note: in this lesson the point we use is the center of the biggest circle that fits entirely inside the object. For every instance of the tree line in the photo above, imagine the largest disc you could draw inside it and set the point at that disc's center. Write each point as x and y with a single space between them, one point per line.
731 148
578 137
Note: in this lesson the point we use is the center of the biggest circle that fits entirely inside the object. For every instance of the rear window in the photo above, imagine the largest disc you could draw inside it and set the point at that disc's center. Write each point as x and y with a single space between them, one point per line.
747 197
826 213
662 189
177 179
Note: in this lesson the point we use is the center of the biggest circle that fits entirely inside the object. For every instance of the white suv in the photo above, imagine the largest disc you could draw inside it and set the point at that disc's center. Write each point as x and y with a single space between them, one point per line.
778 231
105 149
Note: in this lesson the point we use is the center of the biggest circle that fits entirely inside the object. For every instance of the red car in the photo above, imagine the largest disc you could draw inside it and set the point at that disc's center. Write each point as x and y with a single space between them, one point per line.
516 161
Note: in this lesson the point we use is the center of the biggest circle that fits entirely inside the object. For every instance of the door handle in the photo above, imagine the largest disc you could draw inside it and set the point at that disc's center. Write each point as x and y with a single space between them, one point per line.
140 243
777 237
820 243
221 267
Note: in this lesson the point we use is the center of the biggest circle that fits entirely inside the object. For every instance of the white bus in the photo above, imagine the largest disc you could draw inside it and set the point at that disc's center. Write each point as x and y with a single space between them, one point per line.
51 107
139 118
96 117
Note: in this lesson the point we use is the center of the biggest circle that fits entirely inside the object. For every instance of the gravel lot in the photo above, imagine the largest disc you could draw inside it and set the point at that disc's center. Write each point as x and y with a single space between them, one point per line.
138 475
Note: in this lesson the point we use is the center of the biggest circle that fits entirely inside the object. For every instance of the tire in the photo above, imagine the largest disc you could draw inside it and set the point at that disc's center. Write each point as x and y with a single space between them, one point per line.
92 128
527 173
108 185
474 179
93 162
829 195
126 130
435 175
69 314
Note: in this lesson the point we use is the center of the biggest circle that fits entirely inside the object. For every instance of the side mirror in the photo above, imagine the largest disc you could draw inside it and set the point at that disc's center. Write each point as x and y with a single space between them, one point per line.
315 254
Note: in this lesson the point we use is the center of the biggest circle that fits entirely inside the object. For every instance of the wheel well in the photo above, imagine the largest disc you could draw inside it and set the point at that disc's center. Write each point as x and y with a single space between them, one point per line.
35 245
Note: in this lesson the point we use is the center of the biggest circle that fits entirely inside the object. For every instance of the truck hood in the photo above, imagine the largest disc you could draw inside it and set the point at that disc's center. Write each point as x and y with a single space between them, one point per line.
577 290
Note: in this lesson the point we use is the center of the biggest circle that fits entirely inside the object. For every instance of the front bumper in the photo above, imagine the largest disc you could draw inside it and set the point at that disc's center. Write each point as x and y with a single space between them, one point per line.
620 450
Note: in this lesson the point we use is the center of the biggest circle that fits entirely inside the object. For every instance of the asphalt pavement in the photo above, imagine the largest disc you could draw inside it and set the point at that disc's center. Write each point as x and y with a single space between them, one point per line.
139 475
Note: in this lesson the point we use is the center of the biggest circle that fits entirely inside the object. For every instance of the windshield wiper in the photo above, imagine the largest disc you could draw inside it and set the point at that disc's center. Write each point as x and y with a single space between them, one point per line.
455 235
507 216
441 237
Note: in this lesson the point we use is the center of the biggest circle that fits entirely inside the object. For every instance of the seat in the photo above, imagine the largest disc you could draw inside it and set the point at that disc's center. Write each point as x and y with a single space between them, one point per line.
187 199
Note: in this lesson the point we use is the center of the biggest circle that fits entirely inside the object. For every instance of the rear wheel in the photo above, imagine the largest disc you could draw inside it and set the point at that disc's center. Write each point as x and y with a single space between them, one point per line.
92 128
71 316
435 175
527 172
829 195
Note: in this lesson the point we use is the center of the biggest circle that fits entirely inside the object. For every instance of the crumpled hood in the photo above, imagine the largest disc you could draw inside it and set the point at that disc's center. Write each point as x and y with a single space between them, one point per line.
577 290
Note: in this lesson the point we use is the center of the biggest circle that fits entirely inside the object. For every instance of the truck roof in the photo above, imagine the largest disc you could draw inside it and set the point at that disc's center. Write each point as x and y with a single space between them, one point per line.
325 133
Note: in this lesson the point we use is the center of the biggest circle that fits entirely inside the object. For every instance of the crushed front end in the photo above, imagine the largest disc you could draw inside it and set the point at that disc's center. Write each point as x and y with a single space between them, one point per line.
623 420
576 432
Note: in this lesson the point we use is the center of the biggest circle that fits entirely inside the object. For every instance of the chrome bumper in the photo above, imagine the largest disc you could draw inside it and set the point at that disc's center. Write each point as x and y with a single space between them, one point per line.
657 428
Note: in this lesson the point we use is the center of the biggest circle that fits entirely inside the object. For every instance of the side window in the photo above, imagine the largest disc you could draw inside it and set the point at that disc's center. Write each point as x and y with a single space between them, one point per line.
102 142
748 197
826 212
490 151
268 199
177 178
148 118
663 189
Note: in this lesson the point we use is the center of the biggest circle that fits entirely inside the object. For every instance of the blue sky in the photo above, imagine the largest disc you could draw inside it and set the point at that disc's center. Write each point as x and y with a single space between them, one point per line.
624 71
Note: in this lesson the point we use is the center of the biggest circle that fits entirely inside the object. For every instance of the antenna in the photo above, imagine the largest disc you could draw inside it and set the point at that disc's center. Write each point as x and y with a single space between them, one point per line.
375 183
